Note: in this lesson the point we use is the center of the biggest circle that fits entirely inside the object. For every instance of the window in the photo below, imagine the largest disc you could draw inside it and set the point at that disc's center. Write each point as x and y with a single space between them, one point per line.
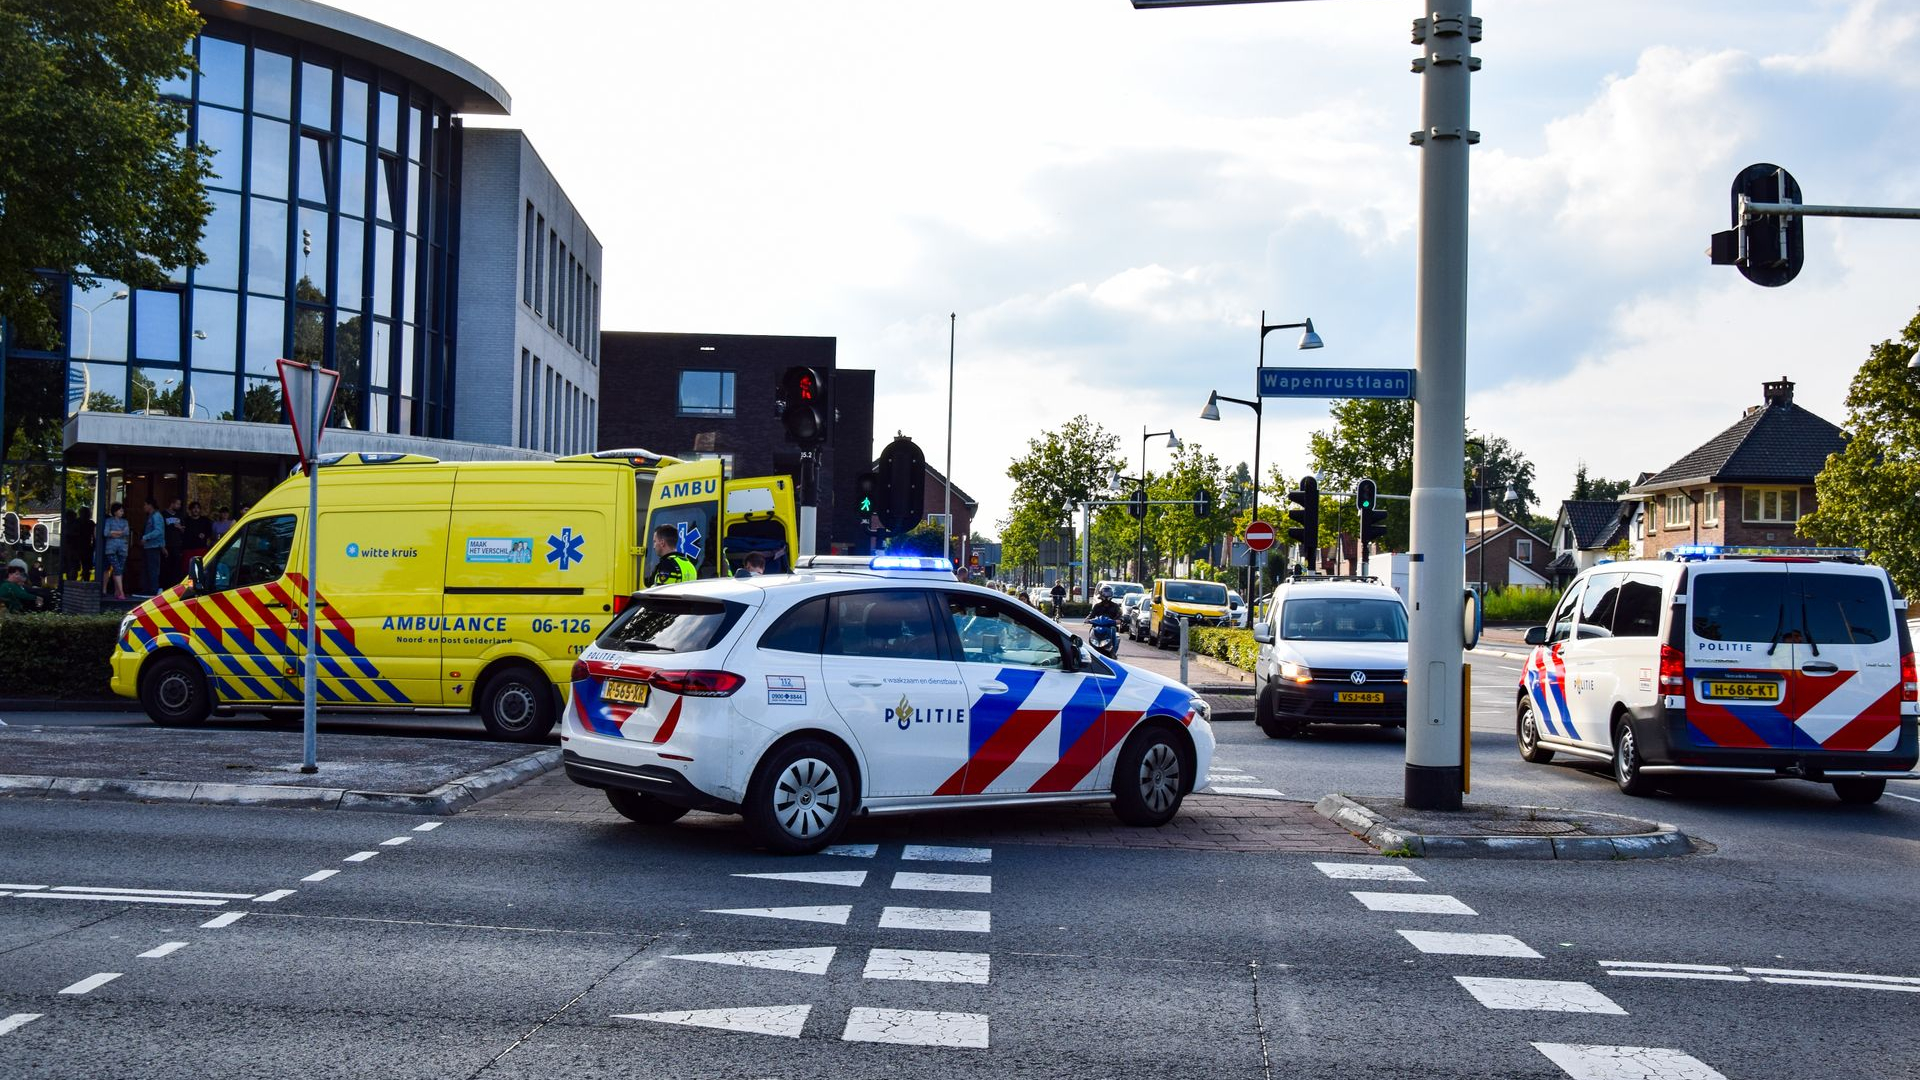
1597 609
1523 550
1637 612
1562 622
1710 508
994 633
526 395
553 275
895 624
1196 592
526 259
1332 618
671 624
1843 609
706 393
1678 511
1773 505
800 629
1741 607
256 555
539 264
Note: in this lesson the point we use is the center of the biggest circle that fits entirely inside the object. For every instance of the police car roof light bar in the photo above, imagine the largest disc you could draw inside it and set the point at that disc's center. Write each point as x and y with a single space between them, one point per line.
1703 552
911 562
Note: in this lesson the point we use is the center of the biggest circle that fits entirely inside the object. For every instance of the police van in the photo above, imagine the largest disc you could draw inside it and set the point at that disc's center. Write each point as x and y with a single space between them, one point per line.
1761 662
867 686
442 585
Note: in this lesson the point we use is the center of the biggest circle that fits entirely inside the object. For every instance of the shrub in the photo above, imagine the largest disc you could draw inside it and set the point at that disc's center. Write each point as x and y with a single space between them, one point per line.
62 657
1234 646
1522 604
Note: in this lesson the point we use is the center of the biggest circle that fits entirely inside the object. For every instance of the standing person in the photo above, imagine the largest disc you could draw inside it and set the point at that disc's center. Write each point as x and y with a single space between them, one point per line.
673 566
199 528
222 521
176 542
153 546
114 581
83 543
1059 597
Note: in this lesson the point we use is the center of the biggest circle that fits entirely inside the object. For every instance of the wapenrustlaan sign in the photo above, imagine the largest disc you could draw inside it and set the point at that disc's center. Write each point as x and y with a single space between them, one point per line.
1295 382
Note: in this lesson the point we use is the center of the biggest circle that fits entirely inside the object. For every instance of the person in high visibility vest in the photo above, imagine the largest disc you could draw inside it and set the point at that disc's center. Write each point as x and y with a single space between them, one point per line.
672 566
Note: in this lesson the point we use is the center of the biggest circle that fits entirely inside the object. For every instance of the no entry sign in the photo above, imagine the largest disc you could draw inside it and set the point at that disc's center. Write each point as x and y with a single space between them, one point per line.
1259 536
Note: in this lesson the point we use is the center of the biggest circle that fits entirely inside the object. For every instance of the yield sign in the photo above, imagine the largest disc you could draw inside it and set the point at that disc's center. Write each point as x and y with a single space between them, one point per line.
1259 536
309 391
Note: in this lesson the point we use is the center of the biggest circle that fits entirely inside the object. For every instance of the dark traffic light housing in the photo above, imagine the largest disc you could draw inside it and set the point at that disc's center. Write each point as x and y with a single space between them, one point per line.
1137 503
1373 520
1306 511
1202 502
901 476
1770 249
804 410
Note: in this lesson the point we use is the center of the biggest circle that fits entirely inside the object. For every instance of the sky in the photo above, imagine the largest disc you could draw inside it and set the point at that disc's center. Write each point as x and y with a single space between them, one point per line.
1108 199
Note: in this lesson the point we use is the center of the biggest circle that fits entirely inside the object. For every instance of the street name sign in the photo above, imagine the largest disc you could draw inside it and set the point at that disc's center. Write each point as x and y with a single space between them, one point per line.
1296 382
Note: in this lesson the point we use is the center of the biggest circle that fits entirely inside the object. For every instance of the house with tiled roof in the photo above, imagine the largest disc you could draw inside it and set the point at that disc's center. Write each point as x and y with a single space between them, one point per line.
1750 484
1584 533
1501 552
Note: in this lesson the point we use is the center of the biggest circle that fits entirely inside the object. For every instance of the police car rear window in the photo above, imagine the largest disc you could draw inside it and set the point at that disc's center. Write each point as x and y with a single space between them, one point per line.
1741 607
1799 606
1844 609
671 624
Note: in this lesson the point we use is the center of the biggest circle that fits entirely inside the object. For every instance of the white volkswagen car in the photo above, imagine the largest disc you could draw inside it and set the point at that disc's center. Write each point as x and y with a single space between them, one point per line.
1331 652
855 687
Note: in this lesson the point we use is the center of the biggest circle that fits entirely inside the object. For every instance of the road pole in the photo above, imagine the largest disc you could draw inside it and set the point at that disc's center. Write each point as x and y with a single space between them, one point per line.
1086 551
1434 775
946 534
310 720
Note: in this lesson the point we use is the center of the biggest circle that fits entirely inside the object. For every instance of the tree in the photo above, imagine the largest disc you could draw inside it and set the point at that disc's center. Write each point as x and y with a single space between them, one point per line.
94 179
1507 468
1866 493
1595 487
1371 438
923 539
1178 530
1064 468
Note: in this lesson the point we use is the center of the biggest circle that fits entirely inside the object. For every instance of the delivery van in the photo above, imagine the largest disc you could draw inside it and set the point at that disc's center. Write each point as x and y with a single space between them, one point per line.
441 585
1201 603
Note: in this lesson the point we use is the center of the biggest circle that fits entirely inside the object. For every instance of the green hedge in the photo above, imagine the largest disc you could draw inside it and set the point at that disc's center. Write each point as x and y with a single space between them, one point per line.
61 657
1236 647
1521 604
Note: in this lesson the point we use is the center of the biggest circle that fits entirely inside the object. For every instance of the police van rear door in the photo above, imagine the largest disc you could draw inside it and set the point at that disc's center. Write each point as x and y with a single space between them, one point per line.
686 497
1744 621
1846 694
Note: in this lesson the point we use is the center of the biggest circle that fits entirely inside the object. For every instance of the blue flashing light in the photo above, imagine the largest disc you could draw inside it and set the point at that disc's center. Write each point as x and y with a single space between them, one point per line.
1703 552
927 563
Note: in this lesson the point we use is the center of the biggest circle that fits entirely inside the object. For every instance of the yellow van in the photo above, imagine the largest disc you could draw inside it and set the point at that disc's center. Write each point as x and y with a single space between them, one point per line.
1203 603
442 585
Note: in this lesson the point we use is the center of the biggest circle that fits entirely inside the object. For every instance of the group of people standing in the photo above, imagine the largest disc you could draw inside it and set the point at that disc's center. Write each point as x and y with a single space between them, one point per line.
169 541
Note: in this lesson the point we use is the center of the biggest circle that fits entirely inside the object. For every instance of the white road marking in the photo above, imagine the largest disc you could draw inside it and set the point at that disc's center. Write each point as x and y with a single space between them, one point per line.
853 851
360 856
1586 1062
1844 985
428 826
92 983
784 1021
836 914
1426 903
121 899
1469 944
1908 798
1698 976
17 1021
850 878
910 1027
968 883
153 892
273 897
1663 967
396 841
800 961
1543 995
22 888
1848 975
159 951
320 875
909 918
914 965
1360 871
219 921
1225 774
1267 791
936 853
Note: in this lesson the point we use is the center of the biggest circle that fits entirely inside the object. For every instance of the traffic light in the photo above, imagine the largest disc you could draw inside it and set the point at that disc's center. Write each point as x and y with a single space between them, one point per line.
1768 250
869 493
1202 503
1373 520
1137 503
804 410
901 497
1306 511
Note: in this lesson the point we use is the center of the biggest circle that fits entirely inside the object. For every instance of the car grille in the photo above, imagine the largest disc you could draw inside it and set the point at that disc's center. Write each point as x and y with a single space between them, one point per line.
1374 675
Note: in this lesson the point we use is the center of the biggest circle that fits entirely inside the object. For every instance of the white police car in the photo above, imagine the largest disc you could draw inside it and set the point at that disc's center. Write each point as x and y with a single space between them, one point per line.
856 686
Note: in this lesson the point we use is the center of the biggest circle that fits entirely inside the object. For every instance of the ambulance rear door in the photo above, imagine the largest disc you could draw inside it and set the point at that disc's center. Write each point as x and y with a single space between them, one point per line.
686 497
760 517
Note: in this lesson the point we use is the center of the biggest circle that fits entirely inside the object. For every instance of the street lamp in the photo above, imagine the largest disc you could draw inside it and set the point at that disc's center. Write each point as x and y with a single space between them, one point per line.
1308 340
1212 412
1173 443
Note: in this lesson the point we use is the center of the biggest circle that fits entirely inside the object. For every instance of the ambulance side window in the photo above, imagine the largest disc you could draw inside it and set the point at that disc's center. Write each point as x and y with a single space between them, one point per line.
256 555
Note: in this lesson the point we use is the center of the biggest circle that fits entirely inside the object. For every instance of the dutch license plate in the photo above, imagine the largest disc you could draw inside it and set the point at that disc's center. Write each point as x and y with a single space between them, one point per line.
1743 691
1360 697
627 693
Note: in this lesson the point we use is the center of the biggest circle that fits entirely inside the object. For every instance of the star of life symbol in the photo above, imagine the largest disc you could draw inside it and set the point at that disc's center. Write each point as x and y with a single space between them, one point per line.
565 548
690 539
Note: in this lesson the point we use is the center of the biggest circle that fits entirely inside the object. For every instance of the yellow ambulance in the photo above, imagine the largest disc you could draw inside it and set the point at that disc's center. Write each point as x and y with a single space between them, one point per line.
442 585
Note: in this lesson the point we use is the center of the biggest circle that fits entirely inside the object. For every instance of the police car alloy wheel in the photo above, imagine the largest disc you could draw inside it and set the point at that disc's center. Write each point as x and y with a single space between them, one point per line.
173 690
1626 762
644 809
1527 735
801 799
1150 778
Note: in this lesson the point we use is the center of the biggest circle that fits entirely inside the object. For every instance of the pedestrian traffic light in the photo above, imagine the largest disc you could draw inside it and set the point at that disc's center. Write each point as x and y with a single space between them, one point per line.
1137 503
1306 511
1768 249
1373 520
869 493
902 470
804 411
1202 503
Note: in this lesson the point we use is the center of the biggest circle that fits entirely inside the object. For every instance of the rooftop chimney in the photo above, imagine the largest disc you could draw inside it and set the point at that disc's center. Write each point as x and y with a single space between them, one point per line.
1779 392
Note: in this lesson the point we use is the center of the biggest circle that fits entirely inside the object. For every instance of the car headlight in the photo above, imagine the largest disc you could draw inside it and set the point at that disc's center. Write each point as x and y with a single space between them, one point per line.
1199 707
126 624
1295 672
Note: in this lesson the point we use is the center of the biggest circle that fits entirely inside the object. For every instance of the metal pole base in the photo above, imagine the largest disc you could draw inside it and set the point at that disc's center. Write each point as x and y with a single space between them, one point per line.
309 769
1433 787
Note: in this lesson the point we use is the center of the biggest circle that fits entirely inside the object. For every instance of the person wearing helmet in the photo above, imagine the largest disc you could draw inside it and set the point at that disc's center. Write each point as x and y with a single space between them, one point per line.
1106 605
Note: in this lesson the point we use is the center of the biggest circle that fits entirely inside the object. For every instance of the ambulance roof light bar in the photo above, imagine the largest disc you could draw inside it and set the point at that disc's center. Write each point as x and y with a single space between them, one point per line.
1704 552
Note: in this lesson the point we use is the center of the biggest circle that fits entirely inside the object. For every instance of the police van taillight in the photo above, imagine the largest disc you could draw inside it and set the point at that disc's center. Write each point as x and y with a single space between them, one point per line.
1673 670
1909 685
580 671
697 683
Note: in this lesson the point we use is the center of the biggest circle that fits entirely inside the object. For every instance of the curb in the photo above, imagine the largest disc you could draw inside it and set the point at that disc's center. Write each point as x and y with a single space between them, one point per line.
1665 841
449 798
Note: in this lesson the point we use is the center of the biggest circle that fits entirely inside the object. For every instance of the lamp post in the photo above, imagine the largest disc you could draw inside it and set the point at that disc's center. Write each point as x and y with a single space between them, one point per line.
1212 412
1308 340
1173 443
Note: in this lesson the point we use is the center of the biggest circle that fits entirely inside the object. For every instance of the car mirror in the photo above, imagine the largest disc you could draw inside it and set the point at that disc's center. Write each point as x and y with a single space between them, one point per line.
1263 633
1536 635
1076 653
197 573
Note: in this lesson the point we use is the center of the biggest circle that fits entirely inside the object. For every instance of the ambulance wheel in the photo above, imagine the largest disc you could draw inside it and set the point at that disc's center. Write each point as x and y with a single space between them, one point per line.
638 806
1860 790
1626 761
174 691
1150 777
1527 735
517 704
801 798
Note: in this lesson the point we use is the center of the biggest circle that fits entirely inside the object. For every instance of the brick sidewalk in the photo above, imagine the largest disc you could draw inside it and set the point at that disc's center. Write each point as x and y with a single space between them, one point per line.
1205 822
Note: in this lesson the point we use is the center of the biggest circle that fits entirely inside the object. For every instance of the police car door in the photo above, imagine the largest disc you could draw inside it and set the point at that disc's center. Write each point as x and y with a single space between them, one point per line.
1546 674
1593 660
1030 720
886 675
1846 678
1743 621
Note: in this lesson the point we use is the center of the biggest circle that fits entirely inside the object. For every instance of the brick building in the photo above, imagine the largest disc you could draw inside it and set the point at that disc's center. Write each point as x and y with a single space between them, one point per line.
1750 484
1510 552
713 395
934 505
